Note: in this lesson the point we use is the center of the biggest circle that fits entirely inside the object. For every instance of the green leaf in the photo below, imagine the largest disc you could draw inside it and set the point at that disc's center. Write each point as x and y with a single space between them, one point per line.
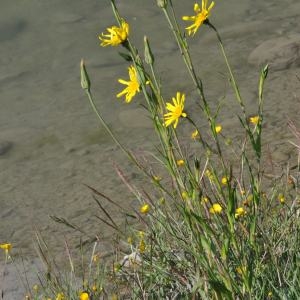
126 56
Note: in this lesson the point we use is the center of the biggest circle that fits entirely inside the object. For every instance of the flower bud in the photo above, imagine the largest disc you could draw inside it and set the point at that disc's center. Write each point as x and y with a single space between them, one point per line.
162 3
85 81
149 58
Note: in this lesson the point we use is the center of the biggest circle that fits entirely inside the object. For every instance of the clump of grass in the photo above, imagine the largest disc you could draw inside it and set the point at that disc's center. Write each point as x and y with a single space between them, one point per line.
214 226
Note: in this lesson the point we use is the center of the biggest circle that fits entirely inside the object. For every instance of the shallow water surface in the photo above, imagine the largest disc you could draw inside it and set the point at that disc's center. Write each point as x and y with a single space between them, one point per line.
55 142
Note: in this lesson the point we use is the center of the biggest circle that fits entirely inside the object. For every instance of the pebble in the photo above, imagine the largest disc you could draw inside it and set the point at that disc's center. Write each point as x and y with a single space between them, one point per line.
5 146
280 53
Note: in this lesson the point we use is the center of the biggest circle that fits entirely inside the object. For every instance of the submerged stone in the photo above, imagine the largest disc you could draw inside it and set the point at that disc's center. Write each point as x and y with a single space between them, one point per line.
5 146
280 53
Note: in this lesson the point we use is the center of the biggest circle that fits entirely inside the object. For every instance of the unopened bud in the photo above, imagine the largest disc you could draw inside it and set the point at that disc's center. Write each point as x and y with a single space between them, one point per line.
162 3
85 81
149 58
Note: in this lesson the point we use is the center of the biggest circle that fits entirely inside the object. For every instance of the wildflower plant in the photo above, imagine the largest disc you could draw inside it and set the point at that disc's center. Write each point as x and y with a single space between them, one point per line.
210 231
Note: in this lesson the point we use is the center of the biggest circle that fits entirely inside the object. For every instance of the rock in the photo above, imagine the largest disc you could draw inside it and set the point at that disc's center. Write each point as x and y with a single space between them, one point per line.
10 30
280 53
5 146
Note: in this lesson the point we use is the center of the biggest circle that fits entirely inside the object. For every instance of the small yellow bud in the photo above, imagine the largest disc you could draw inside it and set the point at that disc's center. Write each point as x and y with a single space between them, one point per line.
145 209
281 198
215 209
180 162
224 180
218 128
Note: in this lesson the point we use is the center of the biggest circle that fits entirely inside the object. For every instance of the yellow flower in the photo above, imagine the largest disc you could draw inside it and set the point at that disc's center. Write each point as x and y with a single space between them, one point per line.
195 135
215 209
254 120
133 85
115 36
218 128
224 180
84 296
281 198
6 247
175 110
200 17
145 208
239 212
60 296
180 162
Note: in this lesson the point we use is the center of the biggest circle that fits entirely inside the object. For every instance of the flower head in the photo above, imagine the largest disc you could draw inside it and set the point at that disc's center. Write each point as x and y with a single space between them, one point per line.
144 209
240 212
84 296
202 15
281 198
254 120
218 128
224 180
133 85
215 209
175 110
180 162
6 247
115 36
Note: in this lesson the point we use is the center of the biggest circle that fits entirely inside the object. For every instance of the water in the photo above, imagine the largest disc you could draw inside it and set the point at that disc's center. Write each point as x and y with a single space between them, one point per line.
56 144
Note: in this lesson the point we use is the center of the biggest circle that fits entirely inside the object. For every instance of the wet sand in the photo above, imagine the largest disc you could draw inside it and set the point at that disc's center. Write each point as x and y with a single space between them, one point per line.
50 141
